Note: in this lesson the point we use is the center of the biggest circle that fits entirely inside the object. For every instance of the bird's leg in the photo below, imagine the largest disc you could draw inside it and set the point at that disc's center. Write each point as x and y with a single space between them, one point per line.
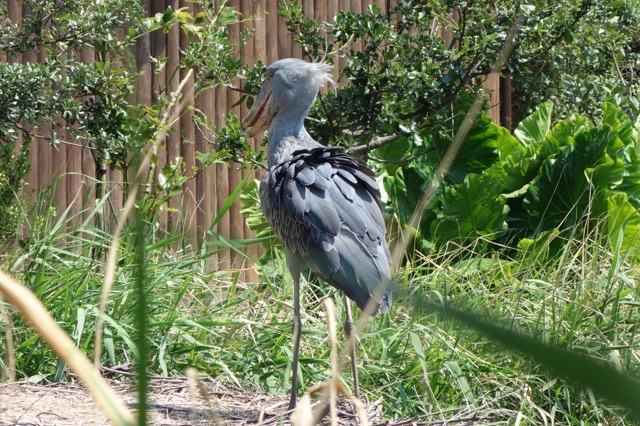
297 332
349 331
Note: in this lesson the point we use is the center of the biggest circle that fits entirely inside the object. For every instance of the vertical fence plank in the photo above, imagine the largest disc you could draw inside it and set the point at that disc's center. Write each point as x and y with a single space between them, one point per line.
221 181
187 134
265 50
58 169
236 228
205 102
14 10
42 149
284 39
269 31
338 58
173 138
505 101
309 12
87 166
492 85
157 47
220 177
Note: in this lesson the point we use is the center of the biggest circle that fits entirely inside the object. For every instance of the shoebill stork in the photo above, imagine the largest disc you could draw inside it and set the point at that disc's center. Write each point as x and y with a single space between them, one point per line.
321 202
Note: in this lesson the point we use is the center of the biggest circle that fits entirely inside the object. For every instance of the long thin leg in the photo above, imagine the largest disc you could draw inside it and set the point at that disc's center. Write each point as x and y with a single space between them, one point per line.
349 331
297 332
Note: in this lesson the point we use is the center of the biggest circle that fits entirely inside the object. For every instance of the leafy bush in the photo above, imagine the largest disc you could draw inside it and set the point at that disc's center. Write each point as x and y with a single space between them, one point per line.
14 166
92 100
513 189
415 65
577 54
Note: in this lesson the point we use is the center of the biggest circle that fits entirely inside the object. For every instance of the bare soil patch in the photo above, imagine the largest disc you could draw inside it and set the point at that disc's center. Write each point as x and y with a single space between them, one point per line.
171 403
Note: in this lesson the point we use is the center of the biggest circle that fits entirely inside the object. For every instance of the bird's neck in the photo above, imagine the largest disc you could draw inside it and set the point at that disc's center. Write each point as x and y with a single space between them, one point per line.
286 135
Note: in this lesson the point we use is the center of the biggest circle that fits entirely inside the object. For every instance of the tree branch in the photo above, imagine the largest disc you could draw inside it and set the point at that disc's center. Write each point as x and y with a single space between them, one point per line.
241 90
375 143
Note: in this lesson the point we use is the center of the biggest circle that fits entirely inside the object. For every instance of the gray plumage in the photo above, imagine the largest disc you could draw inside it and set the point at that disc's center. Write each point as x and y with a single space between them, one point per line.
321 202
325 207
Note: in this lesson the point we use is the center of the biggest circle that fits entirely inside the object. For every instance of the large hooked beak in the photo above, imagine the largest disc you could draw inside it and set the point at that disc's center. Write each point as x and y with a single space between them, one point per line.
260 115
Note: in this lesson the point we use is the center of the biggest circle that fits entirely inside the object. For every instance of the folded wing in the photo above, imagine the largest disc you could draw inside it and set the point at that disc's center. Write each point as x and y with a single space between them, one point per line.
325 207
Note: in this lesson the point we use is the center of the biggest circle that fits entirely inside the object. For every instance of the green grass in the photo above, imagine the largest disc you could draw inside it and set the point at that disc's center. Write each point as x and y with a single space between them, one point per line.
416 361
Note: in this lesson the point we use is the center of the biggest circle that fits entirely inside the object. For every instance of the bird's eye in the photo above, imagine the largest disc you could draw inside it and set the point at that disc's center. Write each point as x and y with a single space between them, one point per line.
269 74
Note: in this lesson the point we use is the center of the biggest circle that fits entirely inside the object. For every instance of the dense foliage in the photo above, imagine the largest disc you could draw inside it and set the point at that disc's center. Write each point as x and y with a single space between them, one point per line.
89 80
64 87
577 54
415 66
513 189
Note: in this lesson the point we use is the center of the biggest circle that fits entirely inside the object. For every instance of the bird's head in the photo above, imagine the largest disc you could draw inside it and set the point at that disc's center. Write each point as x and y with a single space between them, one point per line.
290 85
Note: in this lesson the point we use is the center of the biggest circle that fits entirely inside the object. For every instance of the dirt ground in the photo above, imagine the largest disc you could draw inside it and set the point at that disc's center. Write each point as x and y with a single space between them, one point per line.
172 403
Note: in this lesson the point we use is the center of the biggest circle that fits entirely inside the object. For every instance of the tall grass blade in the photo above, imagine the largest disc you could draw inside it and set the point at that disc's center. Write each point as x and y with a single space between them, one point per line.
231 199
141 321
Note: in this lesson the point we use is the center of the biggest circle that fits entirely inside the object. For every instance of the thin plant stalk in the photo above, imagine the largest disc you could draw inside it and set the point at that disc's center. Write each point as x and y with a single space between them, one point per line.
142 323
11 356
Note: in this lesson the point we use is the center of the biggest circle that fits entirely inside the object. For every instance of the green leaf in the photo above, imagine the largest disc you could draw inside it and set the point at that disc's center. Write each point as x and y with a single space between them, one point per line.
393 153
478 152
542 248
254 217
167 15
417 346
456 372
615 117
560 193
623 224
534 129
636 132
517 164
631 180
608 174
563 134
475 208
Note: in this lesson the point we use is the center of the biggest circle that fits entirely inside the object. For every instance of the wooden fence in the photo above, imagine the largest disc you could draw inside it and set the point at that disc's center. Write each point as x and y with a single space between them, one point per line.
75 168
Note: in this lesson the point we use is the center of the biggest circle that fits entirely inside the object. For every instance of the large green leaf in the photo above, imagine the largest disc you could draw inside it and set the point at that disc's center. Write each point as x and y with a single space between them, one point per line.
631 180
614 117
402 188
478 151
472 209
608 174
517 164
520 157
563 134
533 130
394 153
561 191
623 223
